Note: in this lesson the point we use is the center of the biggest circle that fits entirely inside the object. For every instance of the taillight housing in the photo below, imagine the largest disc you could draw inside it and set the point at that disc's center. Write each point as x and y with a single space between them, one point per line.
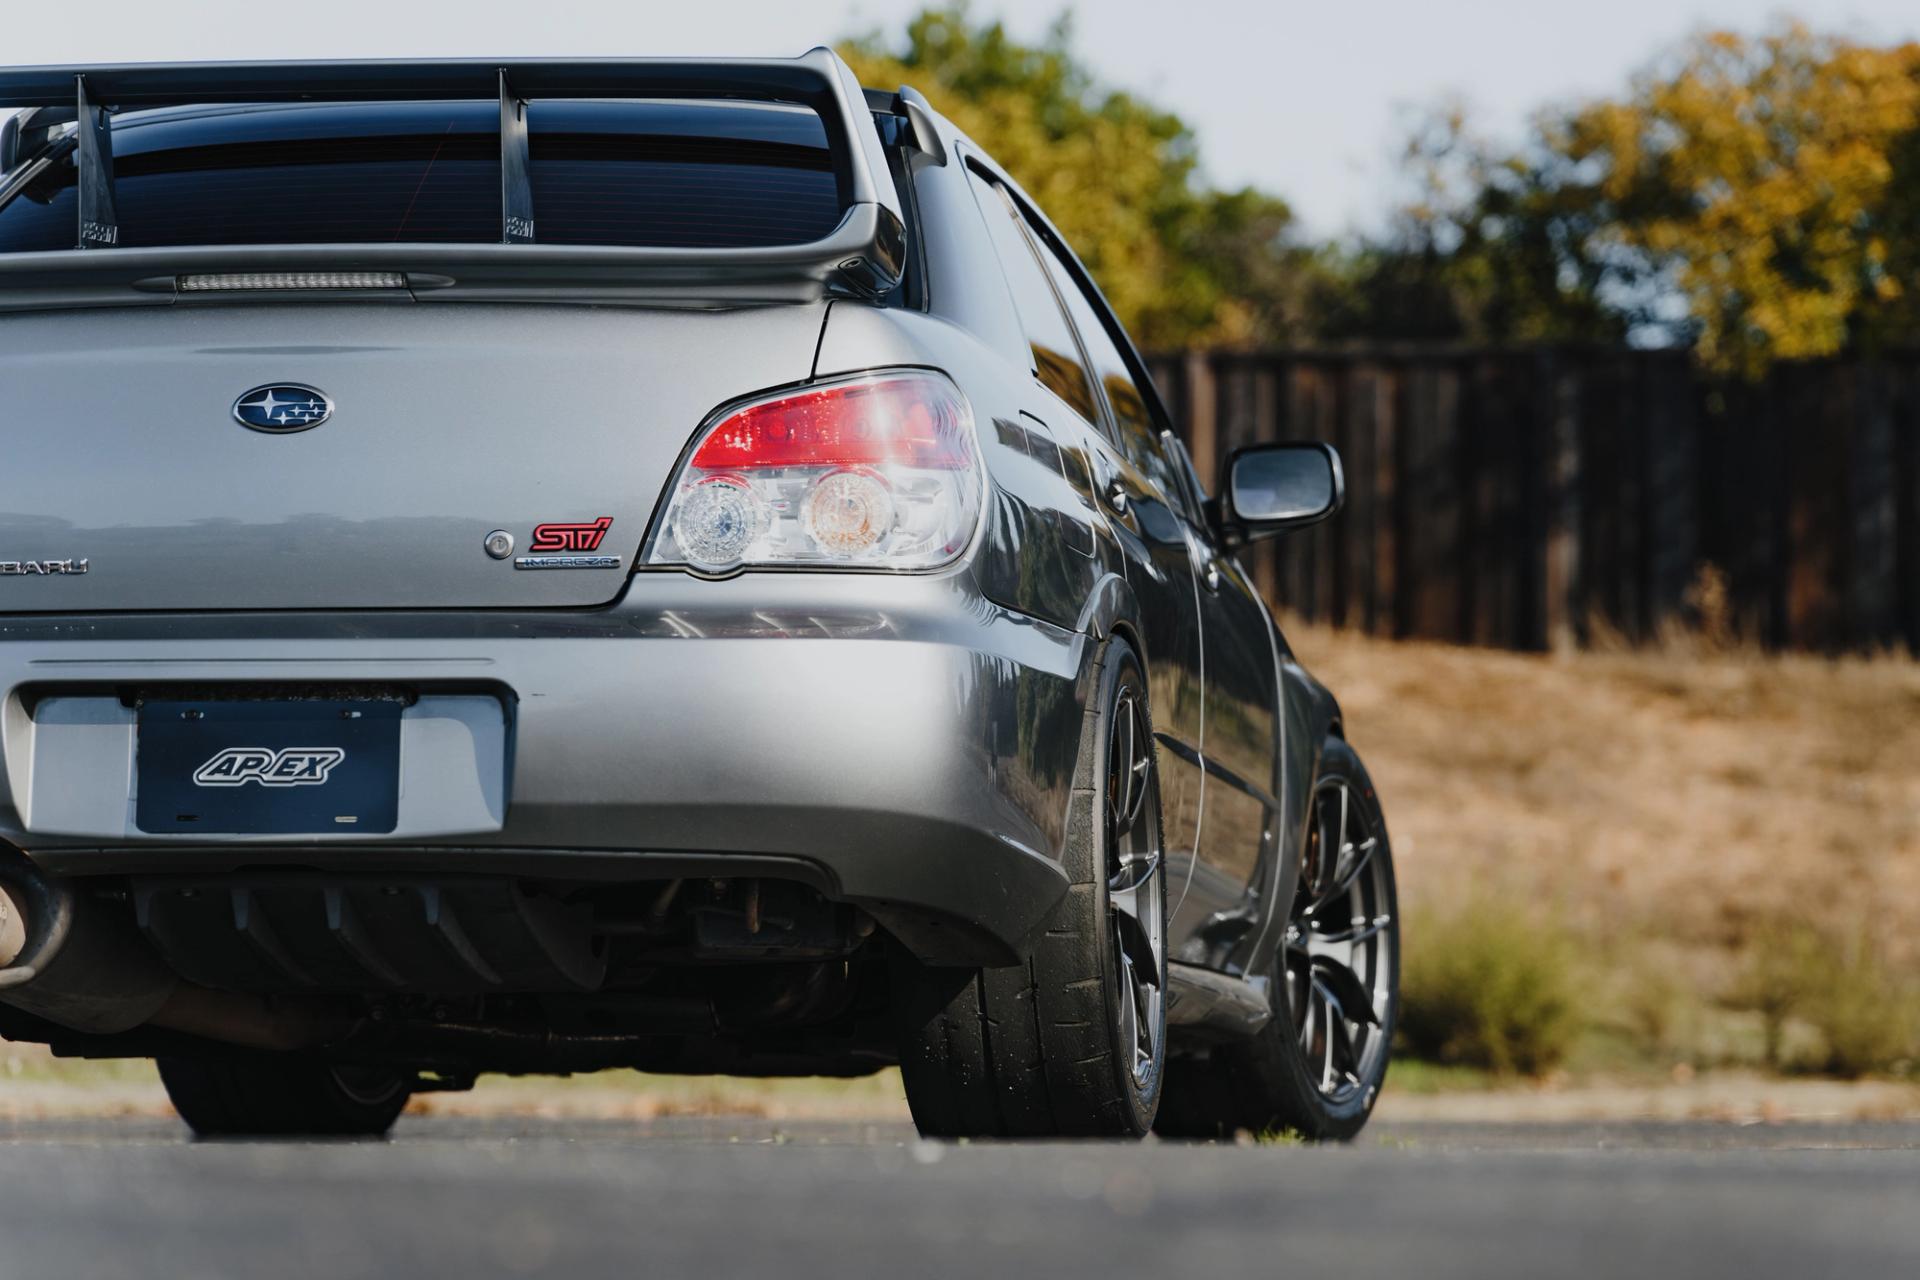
880 471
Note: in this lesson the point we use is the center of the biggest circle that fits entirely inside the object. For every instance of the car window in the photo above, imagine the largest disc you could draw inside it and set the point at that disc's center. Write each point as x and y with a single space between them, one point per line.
1195 489
671 174
1056 357
686 174
1133 419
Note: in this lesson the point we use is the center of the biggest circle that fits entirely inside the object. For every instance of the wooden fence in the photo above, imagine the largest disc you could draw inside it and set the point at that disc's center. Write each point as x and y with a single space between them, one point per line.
1525 497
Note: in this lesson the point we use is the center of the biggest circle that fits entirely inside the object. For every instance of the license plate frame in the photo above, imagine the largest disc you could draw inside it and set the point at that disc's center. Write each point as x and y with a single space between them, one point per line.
267 766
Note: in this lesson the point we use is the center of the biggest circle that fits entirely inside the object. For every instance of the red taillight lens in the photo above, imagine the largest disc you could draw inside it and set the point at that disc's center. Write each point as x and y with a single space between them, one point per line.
913 420
878 471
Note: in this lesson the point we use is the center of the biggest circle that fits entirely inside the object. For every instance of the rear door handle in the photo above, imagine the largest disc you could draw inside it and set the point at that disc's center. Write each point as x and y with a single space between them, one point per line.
1117 497
1210 576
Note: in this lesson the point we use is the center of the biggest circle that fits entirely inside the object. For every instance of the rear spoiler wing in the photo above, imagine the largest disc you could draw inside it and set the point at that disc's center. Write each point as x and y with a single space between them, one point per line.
863 256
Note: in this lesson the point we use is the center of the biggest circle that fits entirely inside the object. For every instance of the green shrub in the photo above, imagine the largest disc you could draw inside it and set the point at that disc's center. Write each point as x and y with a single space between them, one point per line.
1780 974
1646 1009
1865 1014
1487 987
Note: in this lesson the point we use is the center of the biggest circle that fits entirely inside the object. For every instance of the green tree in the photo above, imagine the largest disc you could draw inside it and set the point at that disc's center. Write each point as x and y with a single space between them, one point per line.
1181 263
1490 249
1759 197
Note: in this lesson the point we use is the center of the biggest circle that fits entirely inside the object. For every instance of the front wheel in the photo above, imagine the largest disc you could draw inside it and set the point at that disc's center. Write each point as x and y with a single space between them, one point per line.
1071 1043
1317 1066
283 1096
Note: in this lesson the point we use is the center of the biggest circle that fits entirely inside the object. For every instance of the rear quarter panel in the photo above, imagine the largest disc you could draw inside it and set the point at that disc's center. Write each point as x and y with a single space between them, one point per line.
1044 547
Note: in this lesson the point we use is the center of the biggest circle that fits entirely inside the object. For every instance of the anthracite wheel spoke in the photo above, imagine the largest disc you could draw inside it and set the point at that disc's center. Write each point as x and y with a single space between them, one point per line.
1136 887
1345 986
1357 932
1338 947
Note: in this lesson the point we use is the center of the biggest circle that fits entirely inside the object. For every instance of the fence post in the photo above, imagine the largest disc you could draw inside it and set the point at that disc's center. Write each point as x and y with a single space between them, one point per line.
1872 610
1905 413
1560 516
1203 418
1432 501
1817 452
1671 536
1382 560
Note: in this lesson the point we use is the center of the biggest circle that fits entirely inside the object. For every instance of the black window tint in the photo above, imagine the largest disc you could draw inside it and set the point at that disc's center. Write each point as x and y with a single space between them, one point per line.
285 177
1056 359
43 216
1132 417
672 174
683 175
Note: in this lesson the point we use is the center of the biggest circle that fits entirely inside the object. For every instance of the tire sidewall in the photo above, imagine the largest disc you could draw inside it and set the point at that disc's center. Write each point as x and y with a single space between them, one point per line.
1122 669
1330 1119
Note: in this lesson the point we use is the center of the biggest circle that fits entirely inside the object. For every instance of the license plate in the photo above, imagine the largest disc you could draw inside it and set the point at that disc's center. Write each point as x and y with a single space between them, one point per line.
267 766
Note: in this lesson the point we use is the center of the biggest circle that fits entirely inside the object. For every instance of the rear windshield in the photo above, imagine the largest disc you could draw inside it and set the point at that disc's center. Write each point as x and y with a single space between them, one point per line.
667 174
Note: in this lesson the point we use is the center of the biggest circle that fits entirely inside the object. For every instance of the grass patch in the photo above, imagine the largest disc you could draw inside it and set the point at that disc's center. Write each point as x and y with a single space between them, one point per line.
1422 1076
1483 986
1279 1138
35 1064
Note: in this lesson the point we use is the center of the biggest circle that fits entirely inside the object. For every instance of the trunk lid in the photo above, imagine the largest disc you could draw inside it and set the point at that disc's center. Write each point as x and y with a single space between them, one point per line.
449 422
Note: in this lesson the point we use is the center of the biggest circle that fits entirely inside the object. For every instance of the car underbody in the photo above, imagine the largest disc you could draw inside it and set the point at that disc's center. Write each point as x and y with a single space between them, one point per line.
453 976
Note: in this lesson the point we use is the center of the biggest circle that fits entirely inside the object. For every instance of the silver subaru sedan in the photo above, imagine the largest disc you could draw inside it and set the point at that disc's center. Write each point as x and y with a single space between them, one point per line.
538 566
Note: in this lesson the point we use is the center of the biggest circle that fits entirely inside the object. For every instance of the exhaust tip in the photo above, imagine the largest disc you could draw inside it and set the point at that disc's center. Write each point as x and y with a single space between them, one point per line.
13 925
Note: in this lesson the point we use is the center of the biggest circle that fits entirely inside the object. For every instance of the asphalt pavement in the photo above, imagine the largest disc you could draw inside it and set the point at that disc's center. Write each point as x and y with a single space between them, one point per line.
729 1196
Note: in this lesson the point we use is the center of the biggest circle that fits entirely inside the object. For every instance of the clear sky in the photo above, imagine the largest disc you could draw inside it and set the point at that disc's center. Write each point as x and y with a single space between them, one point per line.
1302 97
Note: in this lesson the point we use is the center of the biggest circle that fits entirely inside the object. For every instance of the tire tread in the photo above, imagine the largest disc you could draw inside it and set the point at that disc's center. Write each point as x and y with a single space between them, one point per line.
1024 1051
270 1097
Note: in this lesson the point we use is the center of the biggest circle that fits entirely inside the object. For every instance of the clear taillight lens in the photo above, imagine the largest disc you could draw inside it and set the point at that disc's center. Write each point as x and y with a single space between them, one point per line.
874 472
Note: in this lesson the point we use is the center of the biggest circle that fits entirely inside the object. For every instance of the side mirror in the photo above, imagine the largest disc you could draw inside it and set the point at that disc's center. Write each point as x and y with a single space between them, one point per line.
1272 488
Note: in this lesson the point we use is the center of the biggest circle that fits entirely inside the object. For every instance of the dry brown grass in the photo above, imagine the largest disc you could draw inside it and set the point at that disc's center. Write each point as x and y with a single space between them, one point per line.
1673 806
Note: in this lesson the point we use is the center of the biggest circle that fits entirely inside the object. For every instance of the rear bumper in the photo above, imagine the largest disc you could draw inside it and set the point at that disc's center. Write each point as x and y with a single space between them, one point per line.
897 742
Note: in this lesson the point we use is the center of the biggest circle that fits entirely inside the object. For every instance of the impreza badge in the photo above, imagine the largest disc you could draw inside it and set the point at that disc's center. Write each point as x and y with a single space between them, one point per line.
563 537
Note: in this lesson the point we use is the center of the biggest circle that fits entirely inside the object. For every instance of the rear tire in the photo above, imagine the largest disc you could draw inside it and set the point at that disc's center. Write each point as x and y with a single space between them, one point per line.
1339 959
1073 1042
282 1097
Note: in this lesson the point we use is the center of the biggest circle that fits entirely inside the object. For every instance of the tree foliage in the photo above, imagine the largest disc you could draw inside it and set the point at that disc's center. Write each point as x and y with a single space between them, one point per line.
1759 197
1180 262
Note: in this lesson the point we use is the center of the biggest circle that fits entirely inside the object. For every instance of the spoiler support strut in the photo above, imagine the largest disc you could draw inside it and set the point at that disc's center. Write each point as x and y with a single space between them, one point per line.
516 186
99 223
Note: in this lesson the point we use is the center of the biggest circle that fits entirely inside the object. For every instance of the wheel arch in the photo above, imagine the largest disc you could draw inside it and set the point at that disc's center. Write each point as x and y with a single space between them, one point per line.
1111 610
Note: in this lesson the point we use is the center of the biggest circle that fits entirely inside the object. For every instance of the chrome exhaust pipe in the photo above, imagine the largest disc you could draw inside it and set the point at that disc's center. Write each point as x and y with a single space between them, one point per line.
68 959
75 964
13 927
